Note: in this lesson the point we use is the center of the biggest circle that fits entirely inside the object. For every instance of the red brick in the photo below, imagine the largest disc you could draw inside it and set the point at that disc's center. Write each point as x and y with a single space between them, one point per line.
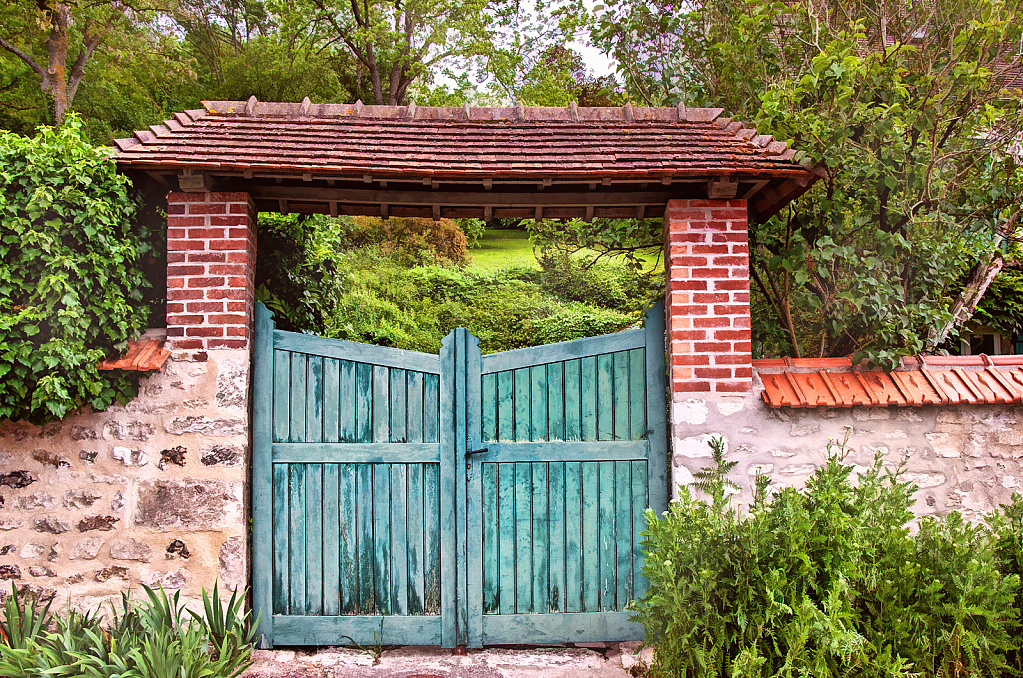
731 260
228 343
235 244
237 306
687 236
710 249
242 233
238 209
738 285
728 213
206 307
729 237
741 321
710 298
710 272
237 331
226 293
731 309
686 214
206 233
731 359
689 359
228 269
185 269
188 344
738 226
227 319
740 248
713 347
687 261
181 295
185 319
175 331
206 282
237 281
186 197
185 245
691 335
712 322
714 226
228 221
230 196
207 257
742 347
177 232
744 372
208 208
173 282
685 309
740 297
740 272
733 386
205 331
690 386
733 335
679 285
175 257
186 222
175 307
237 257
714 372
175 209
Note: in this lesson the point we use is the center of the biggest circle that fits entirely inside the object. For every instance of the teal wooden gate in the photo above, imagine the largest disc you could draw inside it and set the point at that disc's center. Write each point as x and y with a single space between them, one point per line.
406 498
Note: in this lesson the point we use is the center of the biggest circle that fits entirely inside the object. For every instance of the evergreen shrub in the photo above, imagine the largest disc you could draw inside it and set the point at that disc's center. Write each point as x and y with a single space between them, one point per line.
829 581
70 278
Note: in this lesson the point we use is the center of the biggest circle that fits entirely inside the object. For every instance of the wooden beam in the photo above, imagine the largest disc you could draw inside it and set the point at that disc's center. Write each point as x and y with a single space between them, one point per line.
283 204
538 216
488 213
333 208
722 188
191 181
436 212
384 211
589 214
757 186
156 176
307 177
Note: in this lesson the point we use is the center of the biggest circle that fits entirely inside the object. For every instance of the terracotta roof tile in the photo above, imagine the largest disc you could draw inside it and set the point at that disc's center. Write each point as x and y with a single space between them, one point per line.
142 355
345 139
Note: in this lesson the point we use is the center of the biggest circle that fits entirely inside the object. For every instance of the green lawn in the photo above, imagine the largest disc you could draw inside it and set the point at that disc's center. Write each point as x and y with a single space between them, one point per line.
504 247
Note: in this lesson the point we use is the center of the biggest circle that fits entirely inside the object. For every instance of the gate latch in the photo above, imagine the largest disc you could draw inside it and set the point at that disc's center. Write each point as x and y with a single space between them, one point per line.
479 451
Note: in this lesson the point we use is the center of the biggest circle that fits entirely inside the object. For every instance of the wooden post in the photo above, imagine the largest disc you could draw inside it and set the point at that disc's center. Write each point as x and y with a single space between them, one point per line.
262 480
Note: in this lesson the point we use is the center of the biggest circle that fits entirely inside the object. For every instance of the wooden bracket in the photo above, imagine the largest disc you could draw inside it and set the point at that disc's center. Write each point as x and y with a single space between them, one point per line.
722 188
191 181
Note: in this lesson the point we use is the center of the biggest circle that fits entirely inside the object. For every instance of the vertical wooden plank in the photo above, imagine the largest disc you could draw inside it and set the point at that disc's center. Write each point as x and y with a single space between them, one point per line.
296 555
506 406
607 555
489 405
491 550
639 503
431 407
538 402
296 434
605 397
620 393
573 598
314 400
522 407
348 529
347 404
506 532
431 539
556 401
263 496
459 448
314 539
556 517
573 400
541 538
473 493
637 394
381 406
590 546
414 414
382 534
450 466
331 400
281 547
364 538
399 534
623 533
588 382
282 397
399 429
657 413
415 537
523 536
363 403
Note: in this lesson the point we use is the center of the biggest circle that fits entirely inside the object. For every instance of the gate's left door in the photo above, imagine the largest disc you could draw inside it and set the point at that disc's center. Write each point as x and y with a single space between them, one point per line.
347 508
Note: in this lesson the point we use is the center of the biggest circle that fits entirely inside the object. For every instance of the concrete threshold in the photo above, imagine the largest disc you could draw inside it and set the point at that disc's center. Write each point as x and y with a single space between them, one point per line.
589 660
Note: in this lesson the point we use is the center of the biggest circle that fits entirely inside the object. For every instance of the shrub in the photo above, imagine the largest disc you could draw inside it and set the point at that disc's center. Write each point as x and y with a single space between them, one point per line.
70 280
825 581
605 283
414 241
154 639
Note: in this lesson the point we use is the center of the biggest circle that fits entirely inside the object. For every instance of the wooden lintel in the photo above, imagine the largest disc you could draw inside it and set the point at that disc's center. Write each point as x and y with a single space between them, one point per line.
190 181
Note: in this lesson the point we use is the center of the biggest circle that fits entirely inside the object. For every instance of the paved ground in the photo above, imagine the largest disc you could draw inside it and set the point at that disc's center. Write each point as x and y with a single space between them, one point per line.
613 660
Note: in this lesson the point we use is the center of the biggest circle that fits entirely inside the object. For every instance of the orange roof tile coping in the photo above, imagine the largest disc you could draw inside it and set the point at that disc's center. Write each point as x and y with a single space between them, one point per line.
142 355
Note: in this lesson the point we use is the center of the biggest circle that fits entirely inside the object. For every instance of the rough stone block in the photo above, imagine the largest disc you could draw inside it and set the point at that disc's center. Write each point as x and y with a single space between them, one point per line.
101 523
128 456
207 426
188 504
131 549
38 500
50 525
232 562
80 499
85 549
222 455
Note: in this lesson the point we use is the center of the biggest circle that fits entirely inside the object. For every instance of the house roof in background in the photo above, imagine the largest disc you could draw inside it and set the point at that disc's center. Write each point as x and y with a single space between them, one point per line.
631 148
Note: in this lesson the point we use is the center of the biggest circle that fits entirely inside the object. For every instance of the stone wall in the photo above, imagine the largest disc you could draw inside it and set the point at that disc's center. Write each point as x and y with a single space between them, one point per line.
153 492
963 457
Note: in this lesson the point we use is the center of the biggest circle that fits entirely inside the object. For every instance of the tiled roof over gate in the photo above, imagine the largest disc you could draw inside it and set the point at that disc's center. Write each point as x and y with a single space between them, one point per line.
355 140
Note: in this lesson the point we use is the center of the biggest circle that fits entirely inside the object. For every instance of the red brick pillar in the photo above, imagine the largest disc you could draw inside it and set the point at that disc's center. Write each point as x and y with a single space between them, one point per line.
706 254
211 258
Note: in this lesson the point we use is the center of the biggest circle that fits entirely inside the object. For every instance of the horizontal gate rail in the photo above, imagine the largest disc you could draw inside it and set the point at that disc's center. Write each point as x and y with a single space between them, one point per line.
577 627
565 350
364 630
350 350
356 453
618 450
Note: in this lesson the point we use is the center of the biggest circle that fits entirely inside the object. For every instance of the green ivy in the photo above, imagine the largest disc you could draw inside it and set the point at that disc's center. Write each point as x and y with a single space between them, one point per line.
70 281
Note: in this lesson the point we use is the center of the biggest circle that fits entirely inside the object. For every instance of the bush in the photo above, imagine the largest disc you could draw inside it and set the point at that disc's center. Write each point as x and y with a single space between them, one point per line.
155 639
70 280
827 581
413 241
608 284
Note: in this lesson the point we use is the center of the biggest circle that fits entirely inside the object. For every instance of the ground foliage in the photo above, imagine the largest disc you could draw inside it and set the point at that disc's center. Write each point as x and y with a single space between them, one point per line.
156 638
70 278
829 581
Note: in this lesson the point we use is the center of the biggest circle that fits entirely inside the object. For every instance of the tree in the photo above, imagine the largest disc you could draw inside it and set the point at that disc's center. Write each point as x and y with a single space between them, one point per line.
58 27
898 104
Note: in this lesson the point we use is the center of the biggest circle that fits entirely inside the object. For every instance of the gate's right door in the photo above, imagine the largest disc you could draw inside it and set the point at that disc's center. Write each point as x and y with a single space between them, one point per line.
571 449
